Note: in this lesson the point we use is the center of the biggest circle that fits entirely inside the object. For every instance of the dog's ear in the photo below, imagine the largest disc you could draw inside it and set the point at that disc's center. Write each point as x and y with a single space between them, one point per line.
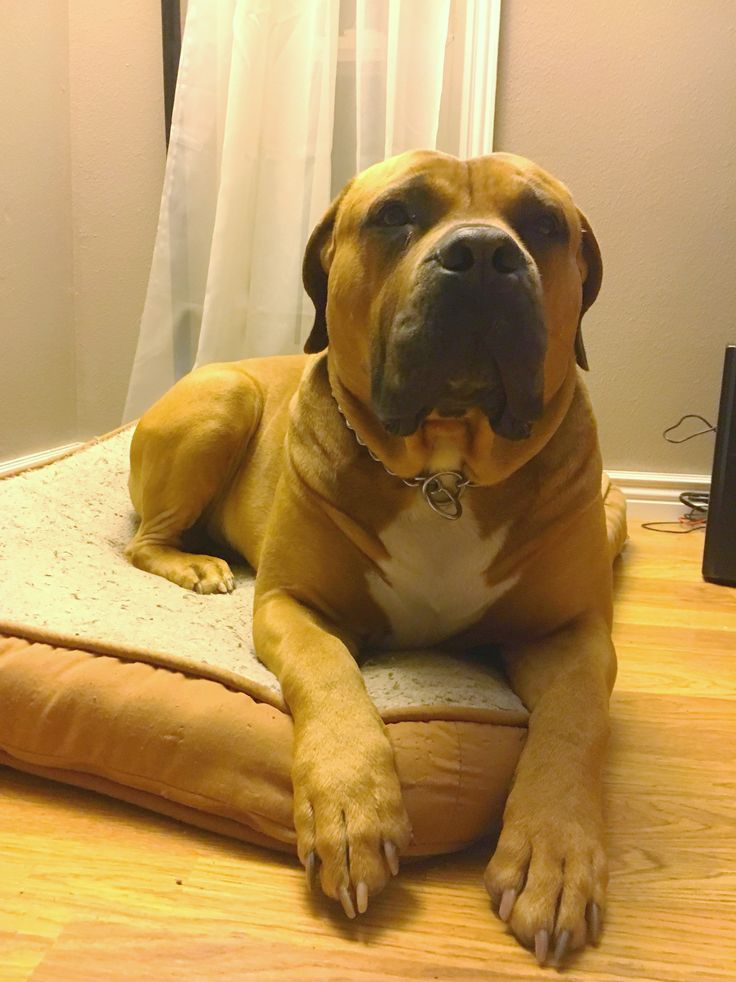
591 284
315 271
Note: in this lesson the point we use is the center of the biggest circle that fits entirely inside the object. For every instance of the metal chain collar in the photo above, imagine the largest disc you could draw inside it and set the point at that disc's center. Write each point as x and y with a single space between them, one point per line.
442 490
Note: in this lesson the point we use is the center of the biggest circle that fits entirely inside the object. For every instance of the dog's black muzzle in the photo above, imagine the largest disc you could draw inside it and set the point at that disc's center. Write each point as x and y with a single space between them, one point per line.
472 334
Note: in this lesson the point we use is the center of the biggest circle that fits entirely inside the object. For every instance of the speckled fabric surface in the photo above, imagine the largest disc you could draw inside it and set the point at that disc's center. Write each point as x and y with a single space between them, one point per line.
65 580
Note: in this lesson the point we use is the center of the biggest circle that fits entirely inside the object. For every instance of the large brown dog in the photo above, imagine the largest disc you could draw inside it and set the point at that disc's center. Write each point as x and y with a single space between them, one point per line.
451 293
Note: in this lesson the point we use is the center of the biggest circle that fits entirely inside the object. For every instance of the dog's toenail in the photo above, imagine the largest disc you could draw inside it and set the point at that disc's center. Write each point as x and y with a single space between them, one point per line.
594 923
361 896
311 868
347 902
541 945
392 857
561 947
508 899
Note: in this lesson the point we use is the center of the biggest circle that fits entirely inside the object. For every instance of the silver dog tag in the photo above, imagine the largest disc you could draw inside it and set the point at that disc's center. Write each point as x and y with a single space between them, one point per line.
442 492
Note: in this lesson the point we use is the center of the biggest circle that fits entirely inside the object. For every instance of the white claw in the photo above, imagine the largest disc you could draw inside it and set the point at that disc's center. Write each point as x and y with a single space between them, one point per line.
508 899
347 902
392 856
361 896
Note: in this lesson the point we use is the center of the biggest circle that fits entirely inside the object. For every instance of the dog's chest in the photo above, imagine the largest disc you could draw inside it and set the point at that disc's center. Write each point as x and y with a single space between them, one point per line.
435 582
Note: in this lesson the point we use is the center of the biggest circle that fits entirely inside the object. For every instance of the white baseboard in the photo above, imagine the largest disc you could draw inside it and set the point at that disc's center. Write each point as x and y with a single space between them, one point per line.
653 497
42 457
650 496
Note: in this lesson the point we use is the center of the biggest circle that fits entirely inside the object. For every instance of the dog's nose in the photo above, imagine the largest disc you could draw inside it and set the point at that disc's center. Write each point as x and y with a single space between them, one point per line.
477 250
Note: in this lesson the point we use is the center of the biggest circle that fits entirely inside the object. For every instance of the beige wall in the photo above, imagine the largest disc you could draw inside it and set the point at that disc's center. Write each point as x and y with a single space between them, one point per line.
117 166
633 104
81 168
37 350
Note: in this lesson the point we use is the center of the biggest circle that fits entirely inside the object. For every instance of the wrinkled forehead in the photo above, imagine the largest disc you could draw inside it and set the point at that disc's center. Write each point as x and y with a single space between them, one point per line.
491 183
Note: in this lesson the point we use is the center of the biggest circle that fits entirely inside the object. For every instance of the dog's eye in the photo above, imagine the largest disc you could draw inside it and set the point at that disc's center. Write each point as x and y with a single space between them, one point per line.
392 215
547 225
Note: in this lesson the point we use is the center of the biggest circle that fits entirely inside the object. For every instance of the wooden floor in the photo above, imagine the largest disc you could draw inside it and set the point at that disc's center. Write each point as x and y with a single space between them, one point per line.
95 890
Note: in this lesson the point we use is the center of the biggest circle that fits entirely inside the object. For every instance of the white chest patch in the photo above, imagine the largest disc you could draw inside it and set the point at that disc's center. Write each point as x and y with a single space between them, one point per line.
435 581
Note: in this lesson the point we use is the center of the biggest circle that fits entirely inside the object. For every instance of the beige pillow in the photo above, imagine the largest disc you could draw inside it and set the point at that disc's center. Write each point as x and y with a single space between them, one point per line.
118 681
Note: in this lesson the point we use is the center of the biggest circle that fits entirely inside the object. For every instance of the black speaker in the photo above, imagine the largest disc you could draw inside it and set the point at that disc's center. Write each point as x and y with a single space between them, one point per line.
719 554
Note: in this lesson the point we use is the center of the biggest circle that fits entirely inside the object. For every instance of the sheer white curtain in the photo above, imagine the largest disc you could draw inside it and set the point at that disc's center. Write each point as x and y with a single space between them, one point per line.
278 103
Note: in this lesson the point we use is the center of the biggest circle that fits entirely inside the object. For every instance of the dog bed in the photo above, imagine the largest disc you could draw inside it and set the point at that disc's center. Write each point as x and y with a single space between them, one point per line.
118 681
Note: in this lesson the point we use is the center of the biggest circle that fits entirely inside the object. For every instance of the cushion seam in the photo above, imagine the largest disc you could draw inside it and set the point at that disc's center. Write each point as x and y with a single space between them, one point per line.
115 775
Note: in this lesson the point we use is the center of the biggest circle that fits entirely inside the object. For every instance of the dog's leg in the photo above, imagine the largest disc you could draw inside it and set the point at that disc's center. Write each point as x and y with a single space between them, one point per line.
348 809
183 451
548 874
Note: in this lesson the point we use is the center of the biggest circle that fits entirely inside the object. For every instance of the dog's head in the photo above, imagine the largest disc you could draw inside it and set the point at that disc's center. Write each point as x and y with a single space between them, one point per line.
445 286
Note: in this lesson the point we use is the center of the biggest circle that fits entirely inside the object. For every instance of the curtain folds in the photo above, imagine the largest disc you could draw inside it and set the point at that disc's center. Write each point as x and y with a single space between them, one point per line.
278 103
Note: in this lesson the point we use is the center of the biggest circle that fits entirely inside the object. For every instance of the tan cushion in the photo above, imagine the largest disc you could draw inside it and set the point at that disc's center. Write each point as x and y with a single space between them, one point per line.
118 681
194 749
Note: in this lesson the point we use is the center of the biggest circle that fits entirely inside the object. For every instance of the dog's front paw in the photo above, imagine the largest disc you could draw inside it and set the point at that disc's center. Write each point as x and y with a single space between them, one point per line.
349 815
202 574
548 878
